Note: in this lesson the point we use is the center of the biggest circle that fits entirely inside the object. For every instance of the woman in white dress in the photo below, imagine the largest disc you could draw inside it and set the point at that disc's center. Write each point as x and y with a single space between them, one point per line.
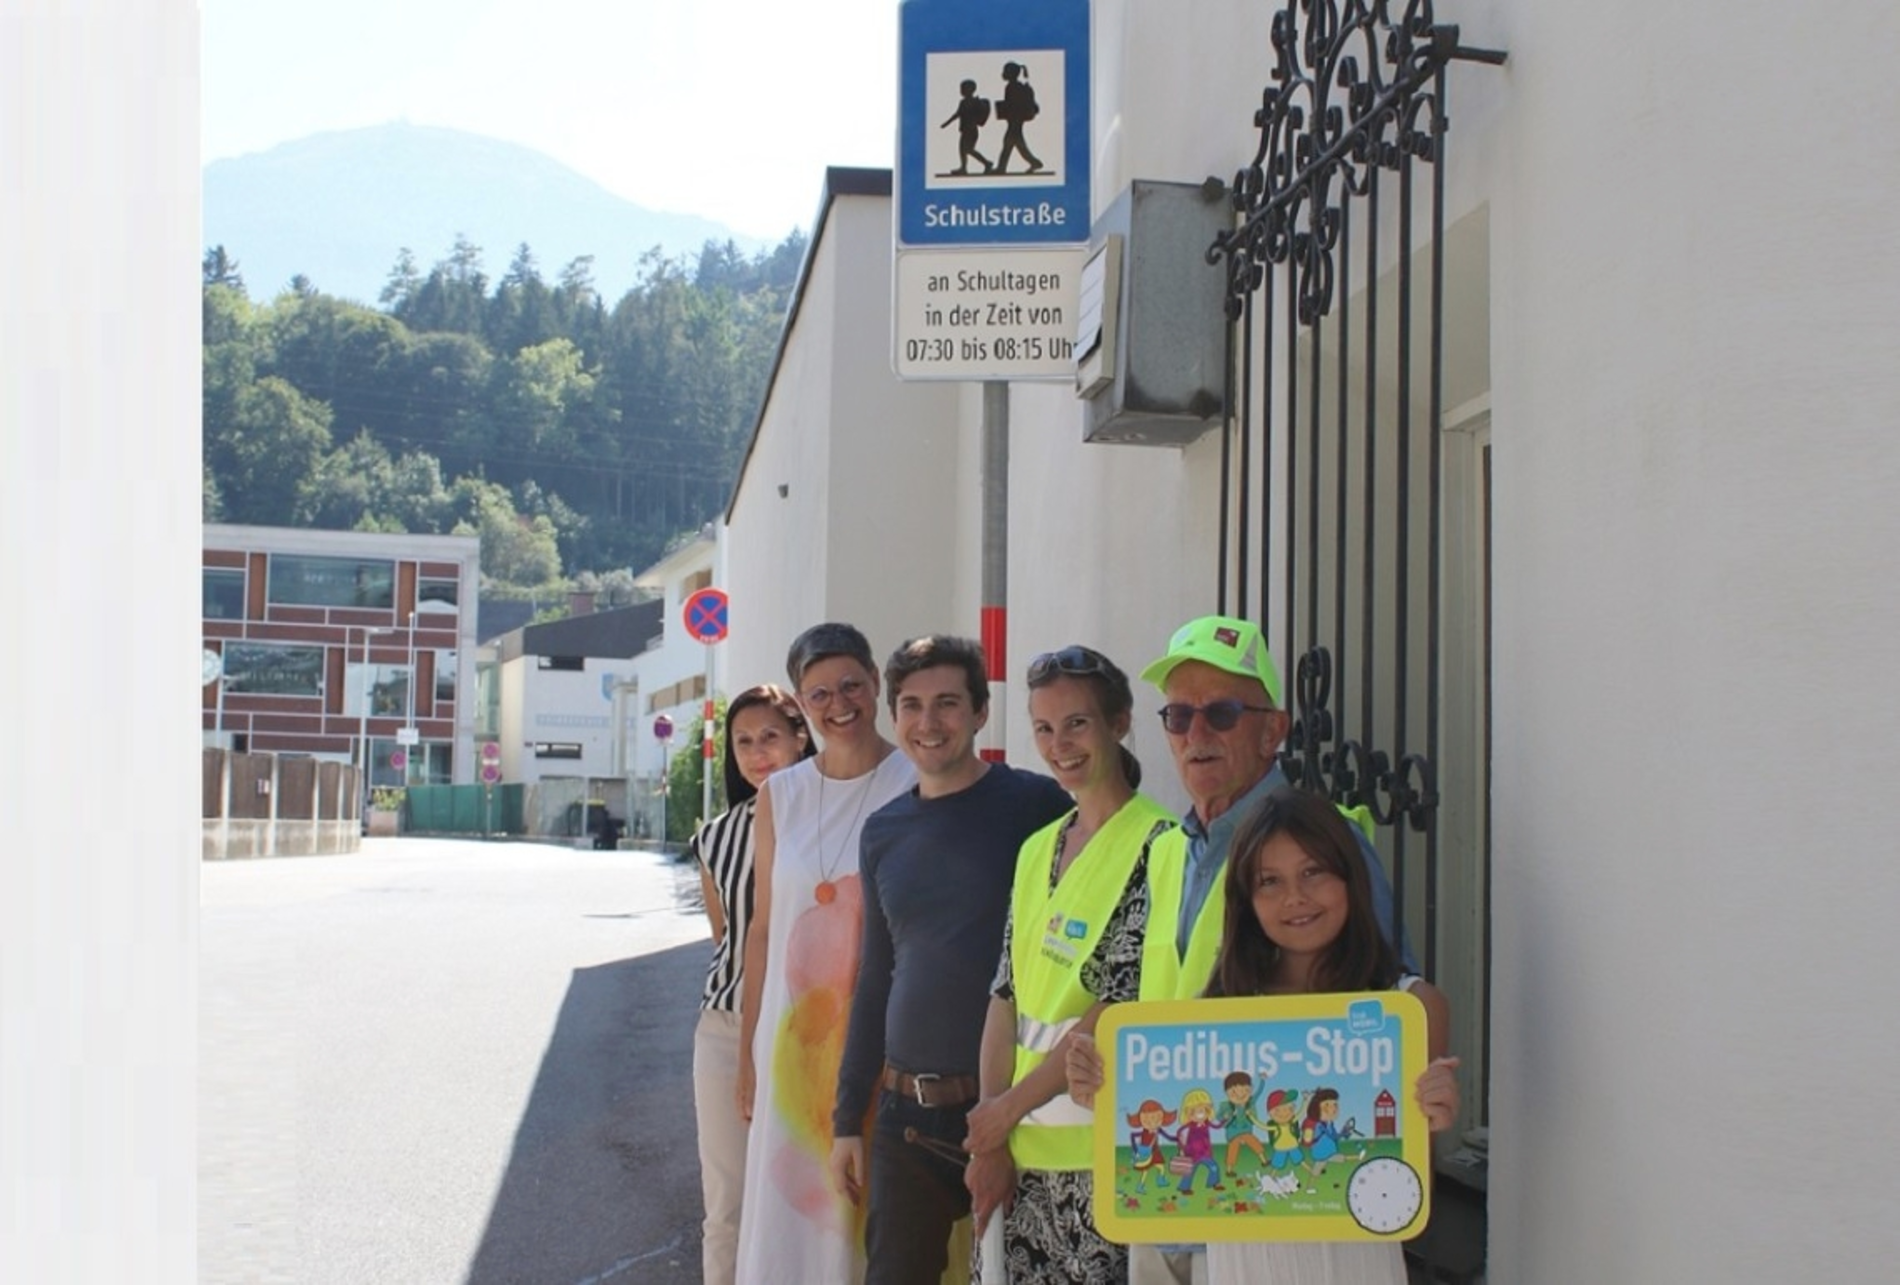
802 962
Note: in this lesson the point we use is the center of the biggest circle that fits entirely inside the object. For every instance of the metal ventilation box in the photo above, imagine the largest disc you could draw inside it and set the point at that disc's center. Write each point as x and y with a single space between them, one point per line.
1152 333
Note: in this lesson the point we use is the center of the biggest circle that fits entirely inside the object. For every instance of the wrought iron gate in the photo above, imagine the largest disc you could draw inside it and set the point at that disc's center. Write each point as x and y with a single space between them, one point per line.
1330 464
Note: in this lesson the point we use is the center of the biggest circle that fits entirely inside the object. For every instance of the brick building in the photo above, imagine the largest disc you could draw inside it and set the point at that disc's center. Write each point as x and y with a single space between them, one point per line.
332 643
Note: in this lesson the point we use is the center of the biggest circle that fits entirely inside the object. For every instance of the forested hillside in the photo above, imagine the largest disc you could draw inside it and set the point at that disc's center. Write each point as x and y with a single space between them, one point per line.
575 436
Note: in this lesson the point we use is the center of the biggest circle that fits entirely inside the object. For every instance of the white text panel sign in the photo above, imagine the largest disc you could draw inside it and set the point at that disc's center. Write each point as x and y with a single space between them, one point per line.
982 314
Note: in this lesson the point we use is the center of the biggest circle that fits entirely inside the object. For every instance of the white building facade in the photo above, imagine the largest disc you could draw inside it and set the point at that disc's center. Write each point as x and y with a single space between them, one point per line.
1663 483
674 677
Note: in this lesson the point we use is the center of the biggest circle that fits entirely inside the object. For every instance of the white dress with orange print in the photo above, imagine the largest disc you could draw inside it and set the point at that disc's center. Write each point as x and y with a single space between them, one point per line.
794 1225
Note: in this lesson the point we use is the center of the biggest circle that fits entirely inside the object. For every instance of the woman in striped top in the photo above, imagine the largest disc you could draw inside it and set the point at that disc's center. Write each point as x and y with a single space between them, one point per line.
765 731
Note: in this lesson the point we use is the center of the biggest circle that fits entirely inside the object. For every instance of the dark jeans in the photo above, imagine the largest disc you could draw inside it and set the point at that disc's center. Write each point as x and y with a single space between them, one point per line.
916 1195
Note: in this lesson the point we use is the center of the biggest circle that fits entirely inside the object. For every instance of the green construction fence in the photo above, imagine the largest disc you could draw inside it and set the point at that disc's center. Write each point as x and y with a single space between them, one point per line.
466 809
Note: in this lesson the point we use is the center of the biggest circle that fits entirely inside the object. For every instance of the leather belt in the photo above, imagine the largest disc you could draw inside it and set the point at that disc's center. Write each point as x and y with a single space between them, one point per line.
928 1090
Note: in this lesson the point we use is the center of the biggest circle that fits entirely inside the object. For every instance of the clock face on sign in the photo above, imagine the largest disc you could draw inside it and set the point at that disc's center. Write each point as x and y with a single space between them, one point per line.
1384 1195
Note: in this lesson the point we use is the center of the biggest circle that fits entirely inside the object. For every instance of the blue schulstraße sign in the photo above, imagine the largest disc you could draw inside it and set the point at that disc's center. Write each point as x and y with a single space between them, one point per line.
993 122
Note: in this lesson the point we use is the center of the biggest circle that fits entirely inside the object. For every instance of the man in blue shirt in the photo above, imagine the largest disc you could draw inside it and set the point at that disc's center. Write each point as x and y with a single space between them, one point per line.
936 864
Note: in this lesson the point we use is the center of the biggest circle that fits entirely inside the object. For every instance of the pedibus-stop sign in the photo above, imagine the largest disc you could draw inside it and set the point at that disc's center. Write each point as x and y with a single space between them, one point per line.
992 199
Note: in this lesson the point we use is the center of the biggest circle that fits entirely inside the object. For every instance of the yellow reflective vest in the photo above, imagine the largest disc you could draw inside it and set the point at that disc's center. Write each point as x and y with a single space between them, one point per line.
1053 932
1167 973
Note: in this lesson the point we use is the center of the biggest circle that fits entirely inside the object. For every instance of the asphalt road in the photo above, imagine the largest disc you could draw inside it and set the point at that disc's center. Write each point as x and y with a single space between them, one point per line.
449 1061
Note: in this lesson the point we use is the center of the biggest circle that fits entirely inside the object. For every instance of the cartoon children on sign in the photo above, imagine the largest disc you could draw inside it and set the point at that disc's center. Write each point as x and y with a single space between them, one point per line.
1321 1136
1282 1106
1144 1144
1239 1120
1197 1142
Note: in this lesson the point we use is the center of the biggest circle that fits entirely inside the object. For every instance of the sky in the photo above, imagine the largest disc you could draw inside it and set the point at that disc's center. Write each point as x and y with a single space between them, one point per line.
731 110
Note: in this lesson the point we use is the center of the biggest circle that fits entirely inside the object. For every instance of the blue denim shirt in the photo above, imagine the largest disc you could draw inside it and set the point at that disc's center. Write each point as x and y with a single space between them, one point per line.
1208 846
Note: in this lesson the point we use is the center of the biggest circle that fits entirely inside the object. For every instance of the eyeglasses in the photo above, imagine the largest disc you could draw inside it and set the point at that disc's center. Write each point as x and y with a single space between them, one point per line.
1070 660
1221 715
820 697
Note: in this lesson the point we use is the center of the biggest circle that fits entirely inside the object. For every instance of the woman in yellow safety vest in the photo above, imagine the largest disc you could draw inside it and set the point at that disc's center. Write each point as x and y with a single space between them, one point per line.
1073 945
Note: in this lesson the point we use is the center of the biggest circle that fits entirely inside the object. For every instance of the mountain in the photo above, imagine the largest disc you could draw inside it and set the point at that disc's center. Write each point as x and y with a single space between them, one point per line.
338 207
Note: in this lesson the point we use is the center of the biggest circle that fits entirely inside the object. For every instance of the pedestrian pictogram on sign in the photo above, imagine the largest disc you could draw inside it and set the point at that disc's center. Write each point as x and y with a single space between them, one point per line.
705 613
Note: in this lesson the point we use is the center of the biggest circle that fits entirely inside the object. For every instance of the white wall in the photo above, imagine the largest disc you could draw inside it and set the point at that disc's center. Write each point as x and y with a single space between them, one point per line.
1686 273
776 544
1695 393
1692 268
872 527
567 706
513 687
894 529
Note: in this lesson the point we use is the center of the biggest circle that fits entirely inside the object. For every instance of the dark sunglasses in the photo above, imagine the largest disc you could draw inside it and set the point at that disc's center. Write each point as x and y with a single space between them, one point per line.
1221 715
1070 660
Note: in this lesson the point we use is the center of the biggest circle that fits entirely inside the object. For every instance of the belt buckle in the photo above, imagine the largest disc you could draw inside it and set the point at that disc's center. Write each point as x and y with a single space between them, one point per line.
917 1083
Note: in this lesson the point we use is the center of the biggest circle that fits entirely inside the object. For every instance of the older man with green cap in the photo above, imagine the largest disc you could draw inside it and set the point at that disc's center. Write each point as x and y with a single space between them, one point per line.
1225 726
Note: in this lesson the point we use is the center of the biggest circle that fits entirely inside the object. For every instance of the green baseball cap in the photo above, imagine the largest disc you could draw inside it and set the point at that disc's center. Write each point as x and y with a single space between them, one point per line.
1224 642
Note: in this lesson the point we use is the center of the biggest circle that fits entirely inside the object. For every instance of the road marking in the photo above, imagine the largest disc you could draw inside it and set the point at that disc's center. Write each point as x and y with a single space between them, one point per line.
625 1263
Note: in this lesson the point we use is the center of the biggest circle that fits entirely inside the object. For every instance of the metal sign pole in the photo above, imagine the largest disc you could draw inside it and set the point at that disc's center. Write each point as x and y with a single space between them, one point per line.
664 747
663 732
995 587
704 613
362 726
409 750
706 745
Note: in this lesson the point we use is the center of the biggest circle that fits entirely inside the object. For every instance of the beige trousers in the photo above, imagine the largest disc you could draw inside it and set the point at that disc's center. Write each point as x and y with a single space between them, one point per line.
722 1136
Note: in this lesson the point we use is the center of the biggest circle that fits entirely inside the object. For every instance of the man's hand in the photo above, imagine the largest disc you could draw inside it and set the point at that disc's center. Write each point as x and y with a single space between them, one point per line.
989 1122
847 1167
1084 1066
991 1178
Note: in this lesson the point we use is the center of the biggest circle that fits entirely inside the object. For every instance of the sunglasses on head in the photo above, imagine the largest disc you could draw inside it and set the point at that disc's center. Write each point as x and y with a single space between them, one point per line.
1221 715
1069 660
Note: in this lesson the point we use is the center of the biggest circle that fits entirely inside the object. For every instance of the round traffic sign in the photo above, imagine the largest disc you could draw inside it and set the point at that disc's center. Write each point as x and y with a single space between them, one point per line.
491 773
398 759
705 613
491 751
662 728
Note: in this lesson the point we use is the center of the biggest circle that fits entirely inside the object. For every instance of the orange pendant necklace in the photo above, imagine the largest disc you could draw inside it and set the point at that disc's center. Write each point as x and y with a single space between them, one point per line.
826 891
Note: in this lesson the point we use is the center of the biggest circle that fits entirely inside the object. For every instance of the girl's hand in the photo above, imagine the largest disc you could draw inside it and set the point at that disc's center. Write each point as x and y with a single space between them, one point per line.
1084 1067
990 1122
1437 1093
